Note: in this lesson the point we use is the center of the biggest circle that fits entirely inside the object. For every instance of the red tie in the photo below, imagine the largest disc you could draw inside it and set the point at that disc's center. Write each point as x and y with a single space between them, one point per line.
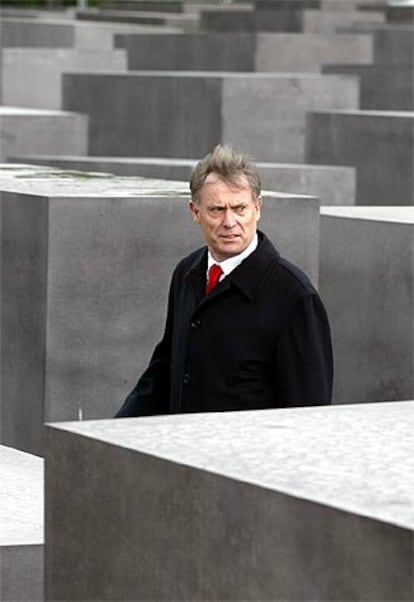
213 277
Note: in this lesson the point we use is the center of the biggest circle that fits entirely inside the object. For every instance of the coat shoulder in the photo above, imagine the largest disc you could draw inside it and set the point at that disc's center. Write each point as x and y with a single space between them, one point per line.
293 278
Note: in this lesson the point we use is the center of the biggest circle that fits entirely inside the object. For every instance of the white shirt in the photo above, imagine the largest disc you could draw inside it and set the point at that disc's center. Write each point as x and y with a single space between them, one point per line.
228 265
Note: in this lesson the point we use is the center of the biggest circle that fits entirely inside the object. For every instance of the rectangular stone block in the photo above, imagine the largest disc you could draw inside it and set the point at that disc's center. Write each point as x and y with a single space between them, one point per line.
44 70
331 184
382 87
294 505
282 52
87 263
178 21
33 33
380 144
24 130
367 283
190 112
290 17
328 21
65 32
21 526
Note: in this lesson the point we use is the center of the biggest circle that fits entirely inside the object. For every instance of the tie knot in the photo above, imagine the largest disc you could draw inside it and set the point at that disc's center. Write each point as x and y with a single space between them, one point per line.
214 274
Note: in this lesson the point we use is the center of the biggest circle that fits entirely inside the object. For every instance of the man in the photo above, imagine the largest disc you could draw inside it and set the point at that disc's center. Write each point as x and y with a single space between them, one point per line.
245 328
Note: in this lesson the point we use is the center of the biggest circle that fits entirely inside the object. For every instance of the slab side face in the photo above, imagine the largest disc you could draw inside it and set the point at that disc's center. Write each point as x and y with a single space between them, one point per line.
367 283
183 118
269 118
24 252
175 530
380 145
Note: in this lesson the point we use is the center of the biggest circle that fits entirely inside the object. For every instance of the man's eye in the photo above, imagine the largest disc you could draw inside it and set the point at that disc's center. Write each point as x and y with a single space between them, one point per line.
241 208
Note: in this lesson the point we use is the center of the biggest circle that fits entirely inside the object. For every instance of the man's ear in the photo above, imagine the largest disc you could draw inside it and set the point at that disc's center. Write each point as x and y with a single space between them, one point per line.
195 211
258 206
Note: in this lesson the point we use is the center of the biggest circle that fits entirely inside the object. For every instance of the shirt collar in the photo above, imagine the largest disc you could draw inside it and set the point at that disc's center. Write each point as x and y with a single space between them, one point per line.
228 265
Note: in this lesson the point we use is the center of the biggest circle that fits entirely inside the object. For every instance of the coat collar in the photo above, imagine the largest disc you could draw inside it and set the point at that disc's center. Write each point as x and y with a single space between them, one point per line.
248 276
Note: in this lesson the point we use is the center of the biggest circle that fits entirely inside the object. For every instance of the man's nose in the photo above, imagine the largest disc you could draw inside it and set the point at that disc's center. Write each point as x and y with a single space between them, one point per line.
228 219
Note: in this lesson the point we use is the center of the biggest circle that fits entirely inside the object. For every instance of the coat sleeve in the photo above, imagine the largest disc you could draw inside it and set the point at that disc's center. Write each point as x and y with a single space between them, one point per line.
151 394
304 356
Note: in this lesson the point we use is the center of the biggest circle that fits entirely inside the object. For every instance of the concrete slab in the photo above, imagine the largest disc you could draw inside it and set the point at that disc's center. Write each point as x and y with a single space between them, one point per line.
87 262
293 505
380 144
264 52
24 130
382 87
186 22
190 112
324 21
44 70
291 20
62 32
21 526
367 283
331 184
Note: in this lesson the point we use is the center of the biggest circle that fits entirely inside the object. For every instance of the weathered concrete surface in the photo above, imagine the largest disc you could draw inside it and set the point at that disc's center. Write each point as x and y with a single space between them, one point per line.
65 33
44 70
382 87
186 22
367 283
190 112
293 505
87 263
380 144
333 185
21 526
24 130
262 52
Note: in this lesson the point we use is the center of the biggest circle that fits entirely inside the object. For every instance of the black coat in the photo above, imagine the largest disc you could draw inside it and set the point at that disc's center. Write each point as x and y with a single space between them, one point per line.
260 339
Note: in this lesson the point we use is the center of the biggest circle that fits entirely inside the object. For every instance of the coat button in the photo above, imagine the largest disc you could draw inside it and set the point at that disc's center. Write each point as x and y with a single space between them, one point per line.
186 379
195 323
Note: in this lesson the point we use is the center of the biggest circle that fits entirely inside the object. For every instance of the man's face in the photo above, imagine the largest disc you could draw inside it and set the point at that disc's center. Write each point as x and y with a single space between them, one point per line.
228 215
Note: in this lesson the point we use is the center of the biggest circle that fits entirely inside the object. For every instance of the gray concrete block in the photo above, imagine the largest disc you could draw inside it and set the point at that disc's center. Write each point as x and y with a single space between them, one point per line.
21 526
382 87
86 268
394 46
64 32
333 185
24 130
327 21
44 70
190 112
21 32
367 283
179 21
282 52
293 17
380 144
293 505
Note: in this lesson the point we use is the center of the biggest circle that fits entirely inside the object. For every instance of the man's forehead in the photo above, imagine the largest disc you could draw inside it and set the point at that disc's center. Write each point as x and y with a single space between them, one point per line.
238 182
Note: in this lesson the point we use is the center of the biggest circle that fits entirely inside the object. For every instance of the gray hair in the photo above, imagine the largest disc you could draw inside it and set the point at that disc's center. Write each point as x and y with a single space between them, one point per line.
229 165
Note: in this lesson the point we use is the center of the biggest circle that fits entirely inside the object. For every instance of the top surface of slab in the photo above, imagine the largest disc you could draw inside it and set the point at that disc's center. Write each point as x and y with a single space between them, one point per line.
51 181
36 180
249 75
167 161
21 498
358 458
6 111
364 113
401 215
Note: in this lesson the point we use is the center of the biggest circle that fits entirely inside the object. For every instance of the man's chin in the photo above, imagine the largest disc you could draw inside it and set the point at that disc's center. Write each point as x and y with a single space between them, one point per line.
230 248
